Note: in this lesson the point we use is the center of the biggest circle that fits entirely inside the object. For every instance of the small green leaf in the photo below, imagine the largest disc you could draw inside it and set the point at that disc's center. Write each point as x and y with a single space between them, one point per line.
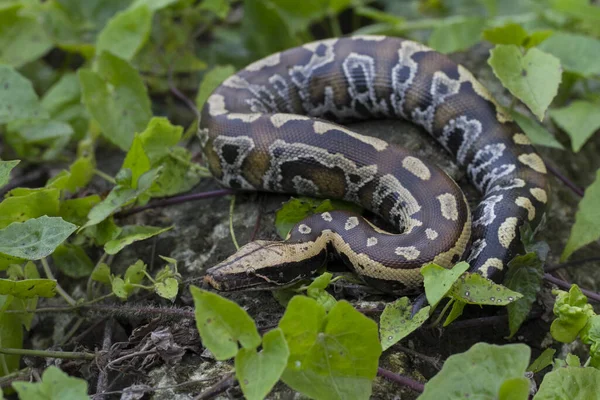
510 33
533 77
11 335
222 324
316 290
514 388
587 220
153 5
543 361
75 211
101 273
211 80
396 322
579 120
257 373
131 234
296 209
5 168
524 276
475 289
572 311
126 32
456 311
167 289
23 204
438 280
456 36
116 97
573 360
28 288
158 137
577 53
118 197
135 273
79 175
72 261
34 238
55 384
537 37
332 356
18 100
571 383
136 160
118 288
479 373
536 132
219 7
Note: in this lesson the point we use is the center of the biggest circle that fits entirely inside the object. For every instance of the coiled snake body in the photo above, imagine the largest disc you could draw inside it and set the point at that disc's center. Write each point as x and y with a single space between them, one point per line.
273 127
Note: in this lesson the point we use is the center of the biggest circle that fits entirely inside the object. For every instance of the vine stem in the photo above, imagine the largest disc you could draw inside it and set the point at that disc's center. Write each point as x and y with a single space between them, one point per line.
571 185
401 379
566 285
105 176
231 231
70 355
59 289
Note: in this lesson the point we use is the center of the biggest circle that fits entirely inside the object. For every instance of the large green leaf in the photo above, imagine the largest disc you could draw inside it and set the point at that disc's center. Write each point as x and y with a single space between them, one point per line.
438 281
579 120
396 321
18 100
5 168
126 32
577 53
456 36
55 384
573 383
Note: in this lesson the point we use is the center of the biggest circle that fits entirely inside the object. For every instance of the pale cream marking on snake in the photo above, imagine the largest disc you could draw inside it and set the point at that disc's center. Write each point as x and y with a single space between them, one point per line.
216 104
491 263
351 223
539 194
321 127
416 167
533 161
526 204
431 234
244 117
409 252
372 241
269 61
326 216
507 231
373 38
445 259
304 229
278 120
448 206
521 138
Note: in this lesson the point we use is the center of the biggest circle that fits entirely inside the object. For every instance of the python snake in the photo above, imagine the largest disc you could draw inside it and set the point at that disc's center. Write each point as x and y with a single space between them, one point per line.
273 126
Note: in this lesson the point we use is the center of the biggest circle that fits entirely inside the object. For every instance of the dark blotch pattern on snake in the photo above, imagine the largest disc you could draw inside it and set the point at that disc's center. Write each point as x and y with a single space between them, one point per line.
274 127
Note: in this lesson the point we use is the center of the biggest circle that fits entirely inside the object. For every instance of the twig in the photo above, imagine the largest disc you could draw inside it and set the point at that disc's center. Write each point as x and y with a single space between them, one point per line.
401 379
566 285
101 385
176 200
576 189
574 263
219 387
59 289
189 103
128 356
231 231
69 355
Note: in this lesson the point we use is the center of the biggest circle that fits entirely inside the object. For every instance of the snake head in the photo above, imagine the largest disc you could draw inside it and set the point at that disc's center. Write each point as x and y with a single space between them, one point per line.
267 265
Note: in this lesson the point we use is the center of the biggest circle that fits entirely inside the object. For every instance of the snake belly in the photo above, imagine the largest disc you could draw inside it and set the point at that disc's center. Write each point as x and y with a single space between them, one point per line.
274 126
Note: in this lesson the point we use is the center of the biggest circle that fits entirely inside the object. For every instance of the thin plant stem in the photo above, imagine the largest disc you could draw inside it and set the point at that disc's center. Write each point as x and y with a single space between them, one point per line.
68 355
402 380
105 176
59 289
231 232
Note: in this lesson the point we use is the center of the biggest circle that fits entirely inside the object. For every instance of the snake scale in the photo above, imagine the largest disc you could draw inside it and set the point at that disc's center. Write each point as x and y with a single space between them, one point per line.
274 126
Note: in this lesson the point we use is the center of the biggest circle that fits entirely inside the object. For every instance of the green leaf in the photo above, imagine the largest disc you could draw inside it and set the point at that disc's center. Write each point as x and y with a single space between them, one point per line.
587 220
131 234
118 288
210 81
75 211
438 280
126 32
41 131
533 77
11 336
536 132
118 197
136 160
524 276
79 175
296 209
101 273
543 361
167 289
219 7
514 388
18 100
475 289
158 137
579 120
316 290
72 261
5 168
179 173
222 324
257 373
456 36
577 53
28 288
55 384
571 383
591 335
572 311
537 37
135 273
22 38
480 373
116 97
332 356
457 309
510 33
24 204
396 322
34 238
